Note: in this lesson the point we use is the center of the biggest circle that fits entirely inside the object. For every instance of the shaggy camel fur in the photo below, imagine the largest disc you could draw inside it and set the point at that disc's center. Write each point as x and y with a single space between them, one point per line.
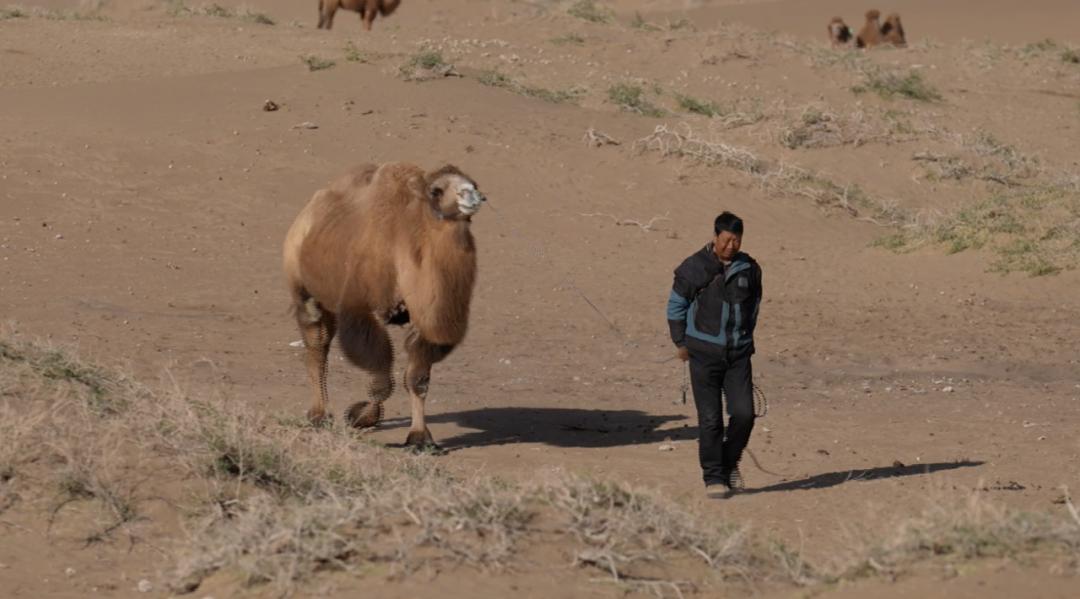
366 8
892 31
870 34
839 32
384 244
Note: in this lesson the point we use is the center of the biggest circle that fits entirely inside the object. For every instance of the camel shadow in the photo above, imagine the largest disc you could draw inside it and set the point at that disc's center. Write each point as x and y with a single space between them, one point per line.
832 479
559 427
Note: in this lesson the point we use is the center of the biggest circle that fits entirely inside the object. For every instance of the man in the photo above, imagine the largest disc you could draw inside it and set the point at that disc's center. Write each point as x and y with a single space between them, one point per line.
712 311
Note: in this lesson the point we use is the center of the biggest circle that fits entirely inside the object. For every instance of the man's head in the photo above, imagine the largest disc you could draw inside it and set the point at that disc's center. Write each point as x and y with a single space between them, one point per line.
729 231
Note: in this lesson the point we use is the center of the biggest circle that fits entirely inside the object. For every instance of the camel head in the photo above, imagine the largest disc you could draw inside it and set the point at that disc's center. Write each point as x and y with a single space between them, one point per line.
452 194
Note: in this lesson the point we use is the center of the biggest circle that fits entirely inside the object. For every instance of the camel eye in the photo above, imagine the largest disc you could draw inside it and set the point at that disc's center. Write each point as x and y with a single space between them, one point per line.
436 193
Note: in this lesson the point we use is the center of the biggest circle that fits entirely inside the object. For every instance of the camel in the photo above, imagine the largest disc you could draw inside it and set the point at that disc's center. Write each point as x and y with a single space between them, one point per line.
383 245
366 8
839 32
870 34
892 31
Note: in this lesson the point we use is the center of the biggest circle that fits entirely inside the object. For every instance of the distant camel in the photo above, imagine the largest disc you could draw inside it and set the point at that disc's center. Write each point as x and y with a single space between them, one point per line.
384 244
893 32
839 32
366 8
870 34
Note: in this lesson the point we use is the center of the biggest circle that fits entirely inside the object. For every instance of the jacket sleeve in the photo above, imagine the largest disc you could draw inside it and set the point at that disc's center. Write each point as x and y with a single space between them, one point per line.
682 292
757 291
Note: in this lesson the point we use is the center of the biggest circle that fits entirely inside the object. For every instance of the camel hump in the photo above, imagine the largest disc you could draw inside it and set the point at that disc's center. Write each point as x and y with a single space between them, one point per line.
392 177
873 15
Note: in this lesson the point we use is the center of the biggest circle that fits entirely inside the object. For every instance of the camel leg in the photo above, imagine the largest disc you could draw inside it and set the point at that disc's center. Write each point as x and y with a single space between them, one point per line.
326 15
368 15
422 355
366 344
317 326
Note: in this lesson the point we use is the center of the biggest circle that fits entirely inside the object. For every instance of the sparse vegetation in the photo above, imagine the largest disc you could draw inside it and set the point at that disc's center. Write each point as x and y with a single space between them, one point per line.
354 54
588 10
282 502
1033 231
639 22
19 12
315 63
818 127
257 17
425 64
778 178
569 39
680 24
1070 56
13 12
631 98
1038 48
178 8
496 79
702 107
888 85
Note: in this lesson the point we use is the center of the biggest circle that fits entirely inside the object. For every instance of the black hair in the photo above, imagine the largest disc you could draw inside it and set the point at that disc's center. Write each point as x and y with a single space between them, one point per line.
728 222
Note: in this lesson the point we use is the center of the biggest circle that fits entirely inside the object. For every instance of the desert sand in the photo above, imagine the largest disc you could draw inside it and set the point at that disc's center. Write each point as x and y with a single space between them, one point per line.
911 346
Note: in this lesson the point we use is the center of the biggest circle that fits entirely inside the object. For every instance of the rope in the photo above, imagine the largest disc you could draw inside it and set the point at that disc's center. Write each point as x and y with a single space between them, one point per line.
761 409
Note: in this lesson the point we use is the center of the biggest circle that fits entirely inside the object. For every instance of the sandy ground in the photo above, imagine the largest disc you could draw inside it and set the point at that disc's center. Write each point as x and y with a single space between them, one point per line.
144 195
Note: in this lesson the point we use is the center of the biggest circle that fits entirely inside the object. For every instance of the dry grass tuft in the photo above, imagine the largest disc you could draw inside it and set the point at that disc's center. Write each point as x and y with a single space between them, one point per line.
279 503
496 79
959 529
778 178
1030 230
632 97
588 10
816 126
891 84
426 64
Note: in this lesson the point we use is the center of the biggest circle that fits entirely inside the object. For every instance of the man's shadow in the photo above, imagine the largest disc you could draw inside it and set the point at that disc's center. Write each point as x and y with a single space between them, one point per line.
572 427
559 427
831 479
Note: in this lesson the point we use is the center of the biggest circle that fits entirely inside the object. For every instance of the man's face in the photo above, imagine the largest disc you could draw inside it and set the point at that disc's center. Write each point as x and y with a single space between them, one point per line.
727 245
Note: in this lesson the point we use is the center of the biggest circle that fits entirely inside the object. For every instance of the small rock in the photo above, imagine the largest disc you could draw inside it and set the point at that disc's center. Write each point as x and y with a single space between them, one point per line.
69 572
270 106
897 464
306 125
948 389
666 447
145 586
297 343
59 236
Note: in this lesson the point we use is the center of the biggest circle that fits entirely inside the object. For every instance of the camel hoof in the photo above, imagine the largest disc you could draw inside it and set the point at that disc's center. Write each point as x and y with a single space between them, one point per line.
320 419
421 442
364 414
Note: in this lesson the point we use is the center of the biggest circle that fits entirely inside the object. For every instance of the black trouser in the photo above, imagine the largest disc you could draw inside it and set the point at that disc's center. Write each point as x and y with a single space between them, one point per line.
709 373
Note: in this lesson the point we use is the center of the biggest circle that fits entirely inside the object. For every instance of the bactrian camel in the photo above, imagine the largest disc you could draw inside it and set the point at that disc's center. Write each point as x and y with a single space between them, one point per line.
384 244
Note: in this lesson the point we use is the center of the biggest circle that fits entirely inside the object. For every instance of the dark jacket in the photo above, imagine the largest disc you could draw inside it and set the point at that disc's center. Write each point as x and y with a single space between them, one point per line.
714 308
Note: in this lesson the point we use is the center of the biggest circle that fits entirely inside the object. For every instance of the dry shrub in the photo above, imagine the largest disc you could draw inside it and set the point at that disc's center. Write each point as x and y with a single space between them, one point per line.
818 127
960 529
283 501
1033 230
778 178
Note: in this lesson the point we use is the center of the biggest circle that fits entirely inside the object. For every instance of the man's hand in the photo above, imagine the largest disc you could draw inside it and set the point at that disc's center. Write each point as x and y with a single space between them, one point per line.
683 353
